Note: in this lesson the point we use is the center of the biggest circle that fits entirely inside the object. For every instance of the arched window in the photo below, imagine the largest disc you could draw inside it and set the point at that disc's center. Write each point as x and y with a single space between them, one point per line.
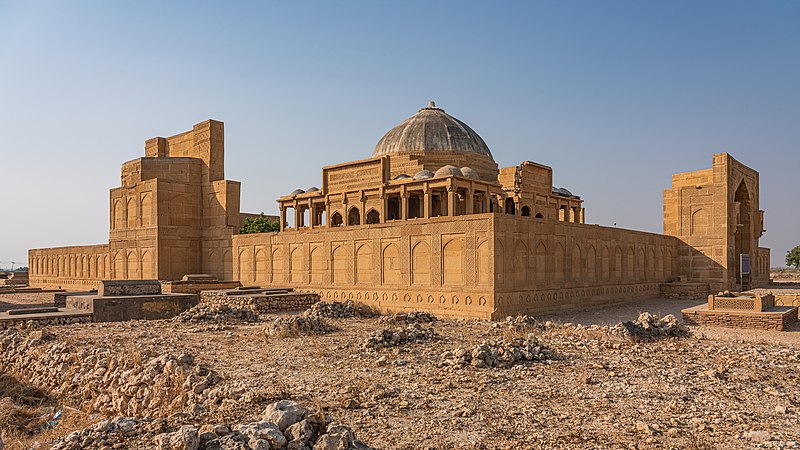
539 216
526 211
354 216
336 219
373 216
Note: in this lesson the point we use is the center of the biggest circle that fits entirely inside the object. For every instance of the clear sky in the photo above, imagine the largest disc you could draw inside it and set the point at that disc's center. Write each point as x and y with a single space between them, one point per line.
614 95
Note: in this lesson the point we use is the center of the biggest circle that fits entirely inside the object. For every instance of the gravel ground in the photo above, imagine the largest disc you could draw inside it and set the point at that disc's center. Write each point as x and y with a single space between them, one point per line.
715 389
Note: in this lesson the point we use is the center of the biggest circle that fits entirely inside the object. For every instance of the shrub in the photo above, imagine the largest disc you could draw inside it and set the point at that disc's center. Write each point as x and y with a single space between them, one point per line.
260 224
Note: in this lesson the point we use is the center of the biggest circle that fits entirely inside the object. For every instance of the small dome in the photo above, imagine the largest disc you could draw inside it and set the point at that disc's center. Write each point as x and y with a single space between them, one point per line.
297 192
448 171
431 130
470 173
312 189
423 175
401 176
562 191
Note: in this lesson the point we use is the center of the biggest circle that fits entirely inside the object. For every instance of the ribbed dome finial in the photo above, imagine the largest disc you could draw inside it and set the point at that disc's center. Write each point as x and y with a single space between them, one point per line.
431 105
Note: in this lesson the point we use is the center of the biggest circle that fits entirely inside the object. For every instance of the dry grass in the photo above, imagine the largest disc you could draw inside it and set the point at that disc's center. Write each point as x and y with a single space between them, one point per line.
24 409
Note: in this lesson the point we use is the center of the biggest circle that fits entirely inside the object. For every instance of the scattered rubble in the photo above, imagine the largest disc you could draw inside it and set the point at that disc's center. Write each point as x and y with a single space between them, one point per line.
520 323
339 310
649 327
105 381
497 353
216 313
284 425
301 325
391 338
410 317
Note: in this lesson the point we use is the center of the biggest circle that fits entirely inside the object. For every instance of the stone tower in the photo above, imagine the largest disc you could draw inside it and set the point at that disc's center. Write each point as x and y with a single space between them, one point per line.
175 213
715 213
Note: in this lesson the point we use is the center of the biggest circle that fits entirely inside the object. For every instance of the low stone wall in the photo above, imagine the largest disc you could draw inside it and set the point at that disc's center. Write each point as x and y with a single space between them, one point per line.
22 322
141 307
193 287
258 301
773 321
683 291
60 298
784 296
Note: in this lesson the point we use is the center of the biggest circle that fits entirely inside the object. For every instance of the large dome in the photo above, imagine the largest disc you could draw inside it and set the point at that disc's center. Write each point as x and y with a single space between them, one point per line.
431 130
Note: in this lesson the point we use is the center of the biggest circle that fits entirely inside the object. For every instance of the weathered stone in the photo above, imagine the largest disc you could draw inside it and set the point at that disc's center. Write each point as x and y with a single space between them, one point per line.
284 413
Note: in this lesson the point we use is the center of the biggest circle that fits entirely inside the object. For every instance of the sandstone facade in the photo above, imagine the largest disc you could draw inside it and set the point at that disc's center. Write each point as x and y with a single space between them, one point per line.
428 222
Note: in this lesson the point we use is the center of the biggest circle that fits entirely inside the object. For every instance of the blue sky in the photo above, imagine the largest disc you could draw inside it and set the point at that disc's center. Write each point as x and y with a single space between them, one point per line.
614 95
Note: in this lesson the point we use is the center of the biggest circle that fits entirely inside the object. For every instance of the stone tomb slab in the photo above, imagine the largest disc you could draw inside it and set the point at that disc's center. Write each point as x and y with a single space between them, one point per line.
116 288
776 318
133 307
59 317
60 298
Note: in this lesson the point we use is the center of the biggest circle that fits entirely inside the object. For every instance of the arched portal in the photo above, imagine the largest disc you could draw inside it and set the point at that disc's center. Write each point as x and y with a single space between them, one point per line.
743 237
510 206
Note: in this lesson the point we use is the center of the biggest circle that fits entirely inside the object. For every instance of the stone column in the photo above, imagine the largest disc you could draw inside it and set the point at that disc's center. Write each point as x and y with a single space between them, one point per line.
426 203
451 201
363 218
327 211
298 218
283 218
384 206
404 205
469 197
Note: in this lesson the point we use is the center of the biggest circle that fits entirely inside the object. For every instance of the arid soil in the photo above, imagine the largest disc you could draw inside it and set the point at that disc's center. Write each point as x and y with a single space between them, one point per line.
712 389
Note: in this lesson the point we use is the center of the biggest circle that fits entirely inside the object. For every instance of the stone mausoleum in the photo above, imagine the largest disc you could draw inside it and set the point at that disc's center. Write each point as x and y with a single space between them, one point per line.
428 222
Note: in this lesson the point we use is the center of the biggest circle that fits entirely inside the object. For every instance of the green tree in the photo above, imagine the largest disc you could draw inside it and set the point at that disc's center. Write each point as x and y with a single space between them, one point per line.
260 224
793 257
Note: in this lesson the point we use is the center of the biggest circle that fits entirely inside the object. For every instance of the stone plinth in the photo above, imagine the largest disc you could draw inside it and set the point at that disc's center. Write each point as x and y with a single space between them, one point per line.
60 298
777 318
133 307
115 288
60 317
196 286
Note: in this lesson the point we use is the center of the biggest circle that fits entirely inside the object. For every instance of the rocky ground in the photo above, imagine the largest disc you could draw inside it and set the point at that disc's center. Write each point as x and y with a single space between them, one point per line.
574 381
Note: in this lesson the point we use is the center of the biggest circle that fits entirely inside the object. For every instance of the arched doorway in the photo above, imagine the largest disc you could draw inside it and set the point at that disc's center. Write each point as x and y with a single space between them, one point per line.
526 211
510 206
743 236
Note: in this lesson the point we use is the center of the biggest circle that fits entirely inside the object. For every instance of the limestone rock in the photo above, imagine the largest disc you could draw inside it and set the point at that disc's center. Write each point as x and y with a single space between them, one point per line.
284 413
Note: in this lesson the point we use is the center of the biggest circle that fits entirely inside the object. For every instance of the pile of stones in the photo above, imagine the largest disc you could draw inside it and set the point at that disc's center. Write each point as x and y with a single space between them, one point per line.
284 425
105 381
395 337
648 327
520 323
216 313
338 310
302 325
497 353
410 317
